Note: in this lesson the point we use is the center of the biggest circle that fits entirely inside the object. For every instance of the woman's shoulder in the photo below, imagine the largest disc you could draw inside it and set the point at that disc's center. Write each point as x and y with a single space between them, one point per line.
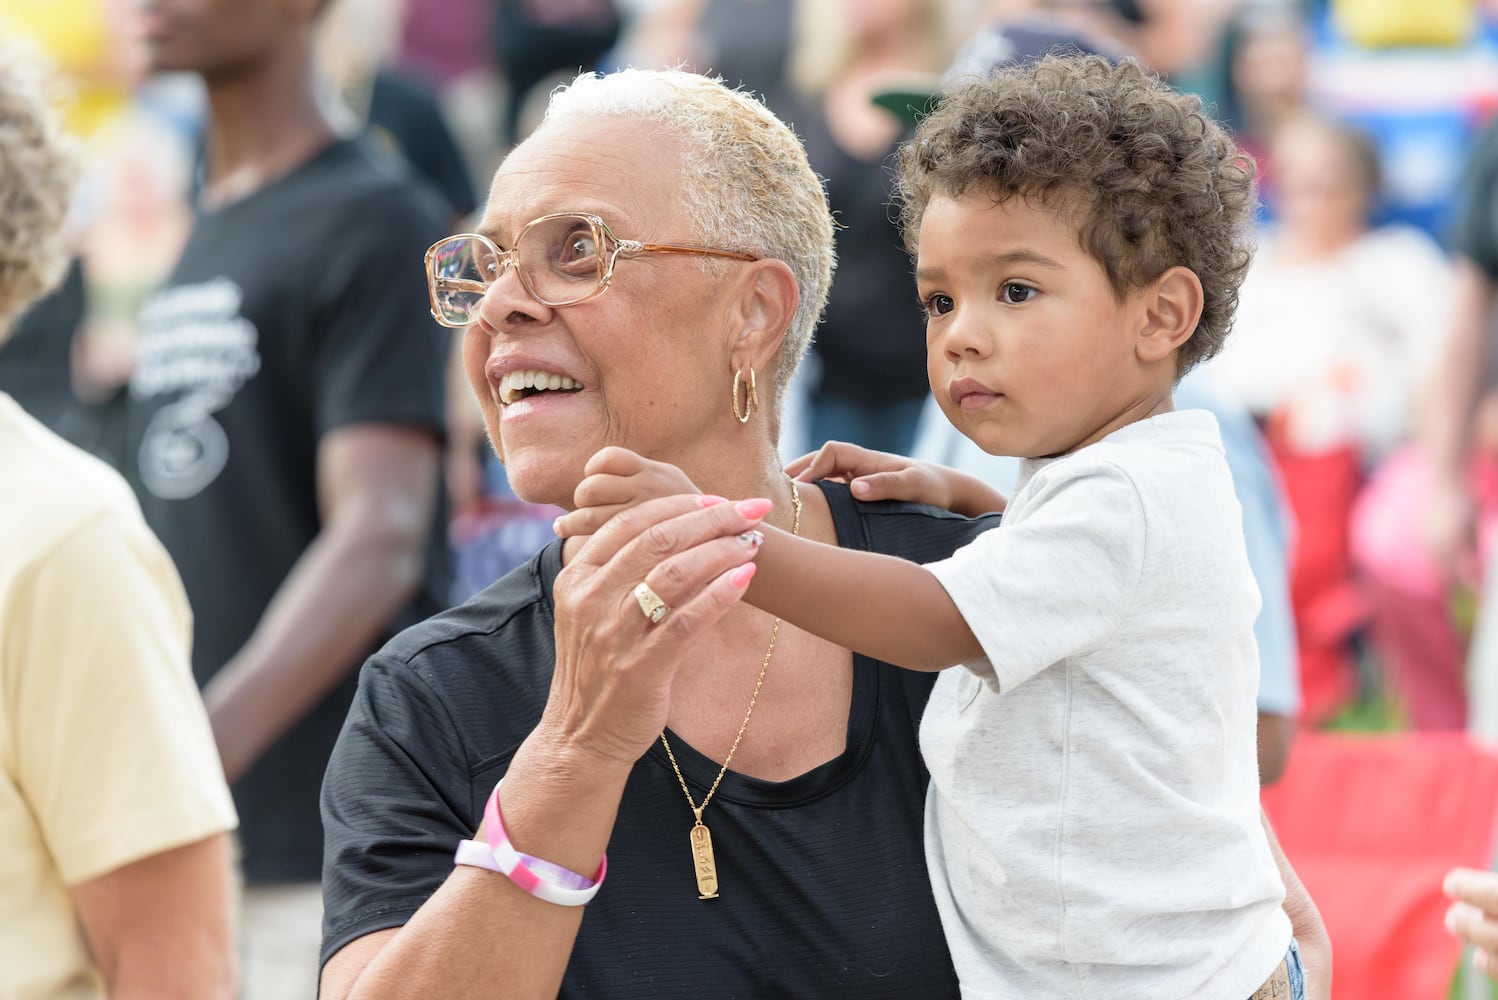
491 654
914 531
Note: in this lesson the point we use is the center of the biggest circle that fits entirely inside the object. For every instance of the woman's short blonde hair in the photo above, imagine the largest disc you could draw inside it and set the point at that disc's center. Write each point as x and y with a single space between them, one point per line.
37 170
746 182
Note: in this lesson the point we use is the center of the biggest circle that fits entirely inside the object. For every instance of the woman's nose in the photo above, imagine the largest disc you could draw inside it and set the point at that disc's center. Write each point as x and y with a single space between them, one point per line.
507 303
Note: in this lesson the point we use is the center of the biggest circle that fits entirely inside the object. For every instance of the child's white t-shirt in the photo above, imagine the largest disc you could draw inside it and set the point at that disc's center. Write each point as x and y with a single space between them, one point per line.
1093 821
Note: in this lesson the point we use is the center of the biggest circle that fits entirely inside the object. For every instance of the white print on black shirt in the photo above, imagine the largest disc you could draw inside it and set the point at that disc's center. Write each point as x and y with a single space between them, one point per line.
196 344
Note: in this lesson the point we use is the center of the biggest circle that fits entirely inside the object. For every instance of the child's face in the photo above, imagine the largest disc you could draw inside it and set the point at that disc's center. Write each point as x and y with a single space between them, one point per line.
1028 351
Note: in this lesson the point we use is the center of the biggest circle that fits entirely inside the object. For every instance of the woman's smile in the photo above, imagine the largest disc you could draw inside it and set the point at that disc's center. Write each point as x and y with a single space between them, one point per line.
536 403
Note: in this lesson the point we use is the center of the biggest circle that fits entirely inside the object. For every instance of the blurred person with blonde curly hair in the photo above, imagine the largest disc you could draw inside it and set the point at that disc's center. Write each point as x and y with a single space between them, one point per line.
116 876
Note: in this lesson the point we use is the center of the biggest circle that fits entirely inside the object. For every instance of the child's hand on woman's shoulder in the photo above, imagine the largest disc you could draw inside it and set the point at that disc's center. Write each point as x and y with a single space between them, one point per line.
879 475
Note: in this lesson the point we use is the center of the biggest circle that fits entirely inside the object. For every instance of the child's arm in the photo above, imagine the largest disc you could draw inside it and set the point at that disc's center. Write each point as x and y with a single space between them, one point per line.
882 606
614 479
878 475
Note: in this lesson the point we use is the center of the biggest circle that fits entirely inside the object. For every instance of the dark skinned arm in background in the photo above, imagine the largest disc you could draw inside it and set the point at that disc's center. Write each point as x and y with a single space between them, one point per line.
376 487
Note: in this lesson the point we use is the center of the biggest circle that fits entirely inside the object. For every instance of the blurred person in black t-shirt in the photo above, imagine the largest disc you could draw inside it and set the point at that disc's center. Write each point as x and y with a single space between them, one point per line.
746 42
285 431
356 41
534 39
36 362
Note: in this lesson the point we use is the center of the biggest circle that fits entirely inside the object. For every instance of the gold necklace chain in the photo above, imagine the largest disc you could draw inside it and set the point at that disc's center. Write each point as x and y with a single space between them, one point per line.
702 841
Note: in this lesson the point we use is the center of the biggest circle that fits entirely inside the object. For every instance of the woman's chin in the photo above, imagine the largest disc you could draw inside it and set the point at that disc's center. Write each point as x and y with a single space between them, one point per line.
541 478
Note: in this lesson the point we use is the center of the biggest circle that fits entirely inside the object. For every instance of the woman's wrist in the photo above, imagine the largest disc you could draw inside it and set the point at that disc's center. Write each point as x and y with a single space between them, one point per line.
543 879
556 764
560 747
561 801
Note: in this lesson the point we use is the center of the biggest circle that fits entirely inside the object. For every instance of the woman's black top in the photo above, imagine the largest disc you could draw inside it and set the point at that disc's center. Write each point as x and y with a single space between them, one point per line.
823 884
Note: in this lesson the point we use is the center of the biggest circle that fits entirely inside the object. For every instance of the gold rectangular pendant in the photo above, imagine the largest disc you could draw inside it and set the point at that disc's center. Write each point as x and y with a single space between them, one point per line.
703 865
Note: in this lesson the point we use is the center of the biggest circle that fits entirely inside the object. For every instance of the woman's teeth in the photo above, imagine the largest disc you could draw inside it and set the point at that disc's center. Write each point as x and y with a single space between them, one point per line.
516 385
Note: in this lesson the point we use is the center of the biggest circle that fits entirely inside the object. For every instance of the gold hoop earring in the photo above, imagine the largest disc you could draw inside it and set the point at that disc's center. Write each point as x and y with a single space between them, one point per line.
751 396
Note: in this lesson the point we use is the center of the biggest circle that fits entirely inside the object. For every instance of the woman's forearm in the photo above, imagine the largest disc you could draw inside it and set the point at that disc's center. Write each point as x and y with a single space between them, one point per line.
479 929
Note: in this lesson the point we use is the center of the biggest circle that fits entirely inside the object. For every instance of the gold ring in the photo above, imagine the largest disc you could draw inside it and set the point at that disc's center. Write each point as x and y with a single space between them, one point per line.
650 603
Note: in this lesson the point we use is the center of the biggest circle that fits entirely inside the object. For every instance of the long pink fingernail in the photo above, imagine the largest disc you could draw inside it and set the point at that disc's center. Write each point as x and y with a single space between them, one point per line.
740 577
711 500
756 507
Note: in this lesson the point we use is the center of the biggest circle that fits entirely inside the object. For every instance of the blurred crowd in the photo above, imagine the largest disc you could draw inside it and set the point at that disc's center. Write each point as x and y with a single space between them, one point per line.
1361 117
1360 362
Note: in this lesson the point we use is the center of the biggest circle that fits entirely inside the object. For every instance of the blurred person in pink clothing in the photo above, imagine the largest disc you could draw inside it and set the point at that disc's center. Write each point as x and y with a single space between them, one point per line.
1331 355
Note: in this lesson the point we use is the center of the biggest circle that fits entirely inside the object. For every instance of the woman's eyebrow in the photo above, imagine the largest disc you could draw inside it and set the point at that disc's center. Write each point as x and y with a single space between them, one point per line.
492 230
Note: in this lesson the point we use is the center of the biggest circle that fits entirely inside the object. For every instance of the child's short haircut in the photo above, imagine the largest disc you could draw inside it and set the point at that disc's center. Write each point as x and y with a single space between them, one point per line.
1150 180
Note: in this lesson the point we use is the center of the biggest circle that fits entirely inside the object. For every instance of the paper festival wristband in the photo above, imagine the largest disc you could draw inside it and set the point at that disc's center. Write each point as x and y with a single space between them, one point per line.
542 879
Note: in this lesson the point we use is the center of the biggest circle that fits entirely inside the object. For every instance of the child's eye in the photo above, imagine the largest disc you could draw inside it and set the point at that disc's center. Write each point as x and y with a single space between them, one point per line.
937 305
1015 293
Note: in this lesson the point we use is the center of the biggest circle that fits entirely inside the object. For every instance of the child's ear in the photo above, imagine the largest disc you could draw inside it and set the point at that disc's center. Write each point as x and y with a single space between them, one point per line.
1172 307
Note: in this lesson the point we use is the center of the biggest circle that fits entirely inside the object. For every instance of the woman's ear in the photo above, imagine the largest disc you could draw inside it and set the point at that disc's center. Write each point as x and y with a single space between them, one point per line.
1172 307
767 303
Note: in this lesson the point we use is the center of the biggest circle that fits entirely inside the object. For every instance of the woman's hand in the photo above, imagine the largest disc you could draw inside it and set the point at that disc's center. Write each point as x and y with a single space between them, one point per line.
613 480
611 691
878 475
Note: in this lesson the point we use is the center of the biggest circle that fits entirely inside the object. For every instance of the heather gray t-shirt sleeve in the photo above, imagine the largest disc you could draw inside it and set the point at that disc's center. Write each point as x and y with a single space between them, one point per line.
1055 579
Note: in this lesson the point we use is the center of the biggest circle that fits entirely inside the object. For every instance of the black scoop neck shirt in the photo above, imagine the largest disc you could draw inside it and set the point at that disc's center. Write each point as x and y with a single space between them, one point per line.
824 891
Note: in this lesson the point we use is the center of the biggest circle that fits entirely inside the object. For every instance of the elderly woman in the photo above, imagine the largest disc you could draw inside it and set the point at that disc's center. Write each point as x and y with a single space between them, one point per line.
656 256
648 273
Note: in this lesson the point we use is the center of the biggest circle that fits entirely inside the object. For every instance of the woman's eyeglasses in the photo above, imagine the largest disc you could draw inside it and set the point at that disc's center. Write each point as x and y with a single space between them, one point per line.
561 259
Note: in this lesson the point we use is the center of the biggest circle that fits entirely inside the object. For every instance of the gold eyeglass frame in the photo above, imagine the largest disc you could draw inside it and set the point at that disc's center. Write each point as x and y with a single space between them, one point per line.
508 259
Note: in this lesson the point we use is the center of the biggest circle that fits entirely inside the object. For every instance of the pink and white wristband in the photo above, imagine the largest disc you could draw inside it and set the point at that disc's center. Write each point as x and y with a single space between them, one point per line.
541 879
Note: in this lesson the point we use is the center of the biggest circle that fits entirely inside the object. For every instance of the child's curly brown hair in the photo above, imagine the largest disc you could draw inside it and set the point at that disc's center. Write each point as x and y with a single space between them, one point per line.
1150 179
